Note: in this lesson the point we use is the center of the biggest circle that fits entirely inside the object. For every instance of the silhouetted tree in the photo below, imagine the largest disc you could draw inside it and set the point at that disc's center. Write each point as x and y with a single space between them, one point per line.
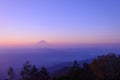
106 67
87 74
11 74
34 74
62 78
44 75
75 71
25 72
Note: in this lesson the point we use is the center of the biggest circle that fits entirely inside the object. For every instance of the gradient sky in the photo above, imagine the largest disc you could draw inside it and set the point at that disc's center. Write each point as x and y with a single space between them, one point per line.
59 21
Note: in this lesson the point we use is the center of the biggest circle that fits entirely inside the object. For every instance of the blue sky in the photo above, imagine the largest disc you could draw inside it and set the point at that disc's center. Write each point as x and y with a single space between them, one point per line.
59 21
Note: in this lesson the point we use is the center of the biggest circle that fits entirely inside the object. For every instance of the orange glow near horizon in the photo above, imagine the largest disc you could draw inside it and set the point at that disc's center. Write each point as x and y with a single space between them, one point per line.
26 24
53 42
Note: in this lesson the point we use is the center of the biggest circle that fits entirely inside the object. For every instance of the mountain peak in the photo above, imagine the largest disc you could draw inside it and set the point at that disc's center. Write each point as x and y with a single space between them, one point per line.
41 43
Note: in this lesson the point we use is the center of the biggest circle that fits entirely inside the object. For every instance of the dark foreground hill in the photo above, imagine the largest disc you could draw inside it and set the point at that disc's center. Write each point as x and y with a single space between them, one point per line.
104 67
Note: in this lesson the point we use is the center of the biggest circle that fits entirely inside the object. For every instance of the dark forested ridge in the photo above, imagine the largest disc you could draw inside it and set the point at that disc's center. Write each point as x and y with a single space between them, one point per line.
105 67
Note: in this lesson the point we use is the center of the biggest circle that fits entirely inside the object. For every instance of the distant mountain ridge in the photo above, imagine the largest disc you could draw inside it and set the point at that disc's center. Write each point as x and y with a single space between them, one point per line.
41 43
68 64
63 68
